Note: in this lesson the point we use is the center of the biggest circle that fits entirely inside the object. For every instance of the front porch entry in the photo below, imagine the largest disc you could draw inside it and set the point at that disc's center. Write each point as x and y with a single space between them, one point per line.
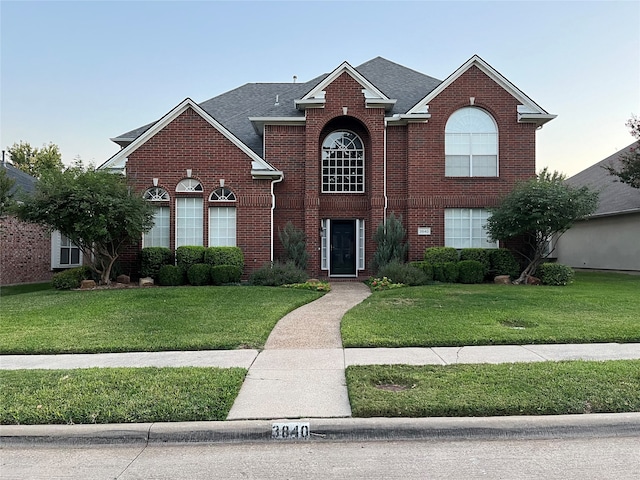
342 247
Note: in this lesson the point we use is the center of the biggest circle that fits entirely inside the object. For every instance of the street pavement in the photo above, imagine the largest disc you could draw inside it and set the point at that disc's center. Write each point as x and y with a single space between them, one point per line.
300 375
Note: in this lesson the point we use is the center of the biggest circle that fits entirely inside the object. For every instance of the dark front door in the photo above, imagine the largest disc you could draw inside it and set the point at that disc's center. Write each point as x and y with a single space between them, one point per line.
343 247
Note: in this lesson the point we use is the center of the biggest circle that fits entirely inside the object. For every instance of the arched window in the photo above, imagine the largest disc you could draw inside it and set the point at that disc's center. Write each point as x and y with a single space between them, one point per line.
471 144
189 185
222 195
156 194
342 163
159 235
222 219
189 215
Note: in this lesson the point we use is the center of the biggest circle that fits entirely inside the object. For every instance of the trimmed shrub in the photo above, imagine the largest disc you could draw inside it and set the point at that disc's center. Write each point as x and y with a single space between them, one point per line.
479 255
294 243
470 271
152 258
389 238
502 262
222 274
555 274
189 255
278 274
426 268
403 273
445 272
435 255
199 274
224 256
71 278
170 275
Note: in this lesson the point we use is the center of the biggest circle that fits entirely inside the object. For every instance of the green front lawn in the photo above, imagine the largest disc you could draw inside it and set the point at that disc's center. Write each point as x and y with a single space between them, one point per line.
144 319
598 307
546 388
117 395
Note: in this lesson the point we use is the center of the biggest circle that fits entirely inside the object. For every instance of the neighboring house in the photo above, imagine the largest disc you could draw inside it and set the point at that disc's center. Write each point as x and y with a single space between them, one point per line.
610 238
335 156
28 252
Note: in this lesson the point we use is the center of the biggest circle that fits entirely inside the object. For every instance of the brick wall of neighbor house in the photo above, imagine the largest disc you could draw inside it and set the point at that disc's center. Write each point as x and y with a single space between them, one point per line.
190 142
25 252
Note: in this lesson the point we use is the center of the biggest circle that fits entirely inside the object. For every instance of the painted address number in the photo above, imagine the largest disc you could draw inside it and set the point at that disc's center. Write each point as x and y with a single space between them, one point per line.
293 430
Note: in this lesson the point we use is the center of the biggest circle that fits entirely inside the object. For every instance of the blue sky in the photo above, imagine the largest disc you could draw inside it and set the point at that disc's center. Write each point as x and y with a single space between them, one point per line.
78 73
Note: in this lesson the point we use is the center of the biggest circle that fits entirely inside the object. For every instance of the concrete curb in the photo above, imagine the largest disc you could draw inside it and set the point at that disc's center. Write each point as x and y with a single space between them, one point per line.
339 429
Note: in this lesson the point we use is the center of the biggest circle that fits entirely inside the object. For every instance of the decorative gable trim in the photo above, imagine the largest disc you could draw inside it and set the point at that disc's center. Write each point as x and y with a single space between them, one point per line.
374 98
119 160
528 112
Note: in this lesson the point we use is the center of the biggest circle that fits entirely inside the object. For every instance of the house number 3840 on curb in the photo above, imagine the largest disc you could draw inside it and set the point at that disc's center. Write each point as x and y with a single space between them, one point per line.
292 430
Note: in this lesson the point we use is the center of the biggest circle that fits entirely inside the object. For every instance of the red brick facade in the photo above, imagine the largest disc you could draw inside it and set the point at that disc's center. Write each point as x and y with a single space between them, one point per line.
404 167
25 252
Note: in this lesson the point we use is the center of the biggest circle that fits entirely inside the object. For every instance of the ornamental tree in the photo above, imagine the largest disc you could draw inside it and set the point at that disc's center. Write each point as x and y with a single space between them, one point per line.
95 209
35 161
629 170
6 196
539 210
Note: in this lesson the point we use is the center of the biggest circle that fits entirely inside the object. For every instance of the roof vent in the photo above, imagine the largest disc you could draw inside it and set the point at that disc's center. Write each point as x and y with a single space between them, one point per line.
295 78
277 101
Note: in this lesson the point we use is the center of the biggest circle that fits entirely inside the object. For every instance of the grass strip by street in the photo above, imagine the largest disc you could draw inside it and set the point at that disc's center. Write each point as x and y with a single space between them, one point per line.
546 388
143 319
117 395
597 307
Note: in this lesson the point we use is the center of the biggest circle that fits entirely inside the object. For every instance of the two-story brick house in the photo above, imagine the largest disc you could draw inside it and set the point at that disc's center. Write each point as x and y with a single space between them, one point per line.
335 156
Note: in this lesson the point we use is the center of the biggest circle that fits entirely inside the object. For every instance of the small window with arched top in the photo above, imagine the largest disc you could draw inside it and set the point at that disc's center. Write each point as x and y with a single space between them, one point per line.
156 194
471 144
189 185
222 194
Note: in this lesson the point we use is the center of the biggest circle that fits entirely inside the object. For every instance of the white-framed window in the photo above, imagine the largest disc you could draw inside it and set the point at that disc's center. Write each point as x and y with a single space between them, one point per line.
189 221
360 225
222 194
189 185
222 226
471 144
324 244
156 194
64 254
465 228
159 235
342 163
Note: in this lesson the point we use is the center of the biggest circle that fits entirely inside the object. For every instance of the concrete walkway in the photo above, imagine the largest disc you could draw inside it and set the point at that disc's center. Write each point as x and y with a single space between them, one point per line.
300 373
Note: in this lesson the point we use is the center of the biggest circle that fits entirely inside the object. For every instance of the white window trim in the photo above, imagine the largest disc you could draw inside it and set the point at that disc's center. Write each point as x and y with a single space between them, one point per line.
177 222
235 218
364 163
447 243
145 235
56 244
325 235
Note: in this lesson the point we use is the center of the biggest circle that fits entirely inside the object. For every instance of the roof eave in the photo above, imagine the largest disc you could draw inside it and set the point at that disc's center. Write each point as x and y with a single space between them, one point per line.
538 118
260 122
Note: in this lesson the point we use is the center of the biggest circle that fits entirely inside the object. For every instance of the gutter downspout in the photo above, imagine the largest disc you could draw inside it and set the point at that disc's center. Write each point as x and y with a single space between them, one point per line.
273 207
386 200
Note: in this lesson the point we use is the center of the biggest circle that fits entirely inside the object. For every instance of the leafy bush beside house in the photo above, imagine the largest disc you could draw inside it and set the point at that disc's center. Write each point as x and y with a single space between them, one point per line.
189 255
555 274
294 244
276 274
152 259
435 255
224 256
170 275
479 255
71 278
390 240
502 262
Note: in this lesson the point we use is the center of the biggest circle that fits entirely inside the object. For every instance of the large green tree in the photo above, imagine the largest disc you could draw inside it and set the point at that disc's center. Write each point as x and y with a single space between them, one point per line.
540 210
95 209
35 161
629 170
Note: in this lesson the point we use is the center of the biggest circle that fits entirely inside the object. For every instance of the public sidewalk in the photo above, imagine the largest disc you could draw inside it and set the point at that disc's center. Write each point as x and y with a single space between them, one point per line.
300 375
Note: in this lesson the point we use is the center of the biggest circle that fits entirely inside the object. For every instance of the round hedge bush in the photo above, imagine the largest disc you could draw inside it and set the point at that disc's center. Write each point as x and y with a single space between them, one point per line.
199 274
170 275
470 271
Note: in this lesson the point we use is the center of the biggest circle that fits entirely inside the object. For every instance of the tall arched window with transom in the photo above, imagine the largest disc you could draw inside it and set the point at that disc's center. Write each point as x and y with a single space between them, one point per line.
189 217
342 163
222 218
159 235
471 144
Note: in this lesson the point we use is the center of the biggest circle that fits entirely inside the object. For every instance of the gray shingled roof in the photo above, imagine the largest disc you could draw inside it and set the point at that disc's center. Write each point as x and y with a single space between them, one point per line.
616 198
24 182
233 109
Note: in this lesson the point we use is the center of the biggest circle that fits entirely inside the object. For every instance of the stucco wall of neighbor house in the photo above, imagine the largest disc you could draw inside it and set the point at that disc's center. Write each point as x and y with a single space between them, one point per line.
607 243
25 252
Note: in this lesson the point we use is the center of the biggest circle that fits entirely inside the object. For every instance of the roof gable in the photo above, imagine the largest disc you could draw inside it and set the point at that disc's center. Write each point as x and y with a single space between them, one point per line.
118 161
528 112
374 97
616 198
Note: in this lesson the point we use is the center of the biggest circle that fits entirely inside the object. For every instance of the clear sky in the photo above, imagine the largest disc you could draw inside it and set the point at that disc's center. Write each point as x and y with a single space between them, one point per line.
79 73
